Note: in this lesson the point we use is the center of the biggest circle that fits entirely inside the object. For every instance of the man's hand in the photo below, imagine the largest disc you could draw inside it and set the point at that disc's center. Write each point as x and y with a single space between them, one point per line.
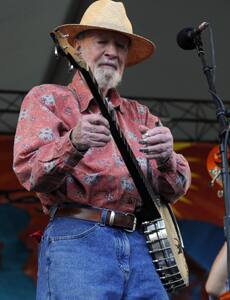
91 131
157 143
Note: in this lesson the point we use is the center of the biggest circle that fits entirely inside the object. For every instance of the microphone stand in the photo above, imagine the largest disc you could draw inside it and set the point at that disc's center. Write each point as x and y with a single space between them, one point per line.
224 142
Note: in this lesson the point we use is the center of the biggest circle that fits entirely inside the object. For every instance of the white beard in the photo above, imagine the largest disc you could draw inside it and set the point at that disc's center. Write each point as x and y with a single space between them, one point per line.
107 78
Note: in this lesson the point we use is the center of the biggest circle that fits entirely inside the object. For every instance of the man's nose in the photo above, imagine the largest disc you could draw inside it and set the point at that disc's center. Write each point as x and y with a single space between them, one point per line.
111 51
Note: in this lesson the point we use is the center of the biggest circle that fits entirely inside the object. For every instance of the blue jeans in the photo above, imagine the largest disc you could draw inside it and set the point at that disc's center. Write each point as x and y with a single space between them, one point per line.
83 260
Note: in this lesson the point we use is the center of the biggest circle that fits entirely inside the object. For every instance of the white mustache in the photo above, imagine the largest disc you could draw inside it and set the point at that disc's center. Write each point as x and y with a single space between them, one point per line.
110 64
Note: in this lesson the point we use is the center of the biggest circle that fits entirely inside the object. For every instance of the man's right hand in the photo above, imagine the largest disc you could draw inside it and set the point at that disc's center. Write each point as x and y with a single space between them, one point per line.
91 131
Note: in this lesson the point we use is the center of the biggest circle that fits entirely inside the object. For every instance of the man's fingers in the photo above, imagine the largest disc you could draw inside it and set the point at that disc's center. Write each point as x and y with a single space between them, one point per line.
157 131
97 137
96 119
98 129
156 139
157 152
143 129
91 131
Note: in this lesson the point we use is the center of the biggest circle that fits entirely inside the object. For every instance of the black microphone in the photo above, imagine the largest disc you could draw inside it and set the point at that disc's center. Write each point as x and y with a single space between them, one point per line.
186 37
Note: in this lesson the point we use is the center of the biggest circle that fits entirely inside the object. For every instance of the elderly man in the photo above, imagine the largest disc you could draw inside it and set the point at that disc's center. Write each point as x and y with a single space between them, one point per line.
64 151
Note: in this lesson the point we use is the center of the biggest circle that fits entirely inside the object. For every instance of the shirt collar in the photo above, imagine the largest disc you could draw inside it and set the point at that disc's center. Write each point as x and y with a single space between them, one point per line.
85 97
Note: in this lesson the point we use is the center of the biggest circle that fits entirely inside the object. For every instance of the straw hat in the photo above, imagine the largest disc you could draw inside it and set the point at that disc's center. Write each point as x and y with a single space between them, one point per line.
111 15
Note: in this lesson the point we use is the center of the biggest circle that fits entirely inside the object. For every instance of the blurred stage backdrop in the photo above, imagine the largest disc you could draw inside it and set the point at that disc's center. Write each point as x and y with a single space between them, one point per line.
199 213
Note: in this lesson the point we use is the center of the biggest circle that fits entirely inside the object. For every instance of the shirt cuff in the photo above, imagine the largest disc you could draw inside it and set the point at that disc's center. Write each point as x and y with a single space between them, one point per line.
72 155
168 165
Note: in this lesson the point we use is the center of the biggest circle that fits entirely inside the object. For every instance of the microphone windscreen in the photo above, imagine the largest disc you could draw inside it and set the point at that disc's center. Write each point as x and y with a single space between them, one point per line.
185 38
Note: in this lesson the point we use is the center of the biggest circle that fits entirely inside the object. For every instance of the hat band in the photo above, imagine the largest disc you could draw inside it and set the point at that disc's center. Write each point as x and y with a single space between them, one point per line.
109 26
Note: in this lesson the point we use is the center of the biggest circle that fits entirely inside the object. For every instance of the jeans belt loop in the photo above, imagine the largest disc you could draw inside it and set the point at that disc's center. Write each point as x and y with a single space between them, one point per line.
111 218
103 216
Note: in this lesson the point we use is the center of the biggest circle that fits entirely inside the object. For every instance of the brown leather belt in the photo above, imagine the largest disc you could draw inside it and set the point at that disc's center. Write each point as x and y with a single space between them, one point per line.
117 219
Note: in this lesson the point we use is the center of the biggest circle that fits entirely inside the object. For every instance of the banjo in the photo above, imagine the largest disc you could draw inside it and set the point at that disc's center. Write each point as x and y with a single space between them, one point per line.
160 227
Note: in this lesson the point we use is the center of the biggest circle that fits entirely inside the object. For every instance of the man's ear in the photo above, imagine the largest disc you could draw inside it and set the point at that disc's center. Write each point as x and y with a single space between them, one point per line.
78 49
77 46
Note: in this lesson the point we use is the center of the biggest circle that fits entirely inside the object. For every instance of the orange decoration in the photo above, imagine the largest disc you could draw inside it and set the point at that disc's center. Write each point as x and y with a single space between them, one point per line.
225 296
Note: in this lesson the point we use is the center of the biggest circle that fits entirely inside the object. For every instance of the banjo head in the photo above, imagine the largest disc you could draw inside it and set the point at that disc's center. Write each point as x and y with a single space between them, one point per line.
166 248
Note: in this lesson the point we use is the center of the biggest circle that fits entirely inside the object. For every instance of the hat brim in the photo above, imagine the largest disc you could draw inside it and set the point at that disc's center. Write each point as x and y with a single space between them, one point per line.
140 48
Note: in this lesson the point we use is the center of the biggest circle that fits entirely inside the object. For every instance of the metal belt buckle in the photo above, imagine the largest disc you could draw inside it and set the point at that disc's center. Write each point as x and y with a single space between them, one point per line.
134 223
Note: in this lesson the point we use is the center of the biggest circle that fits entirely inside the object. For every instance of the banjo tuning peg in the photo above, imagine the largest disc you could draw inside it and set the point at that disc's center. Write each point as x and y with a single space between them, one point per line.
70 67
56 53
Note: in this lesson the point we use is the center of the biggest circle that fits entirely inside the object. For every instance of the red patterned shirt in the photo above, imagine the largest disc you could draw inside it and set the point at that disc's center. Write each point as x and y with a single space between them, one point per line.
45 160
